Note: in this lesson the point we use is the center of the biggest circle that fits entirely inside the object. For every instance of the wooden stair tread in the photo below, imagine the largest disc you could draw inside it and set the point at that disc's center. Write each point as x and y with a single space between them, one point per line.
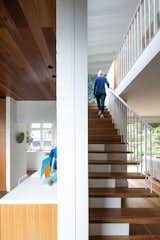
96 118
94 114
115 175
101 125
100 120
122 192
133 237
104 130
125 215
113 162
111 132
105 152
95 109
90 141
100 129
108 136
95 106
90 105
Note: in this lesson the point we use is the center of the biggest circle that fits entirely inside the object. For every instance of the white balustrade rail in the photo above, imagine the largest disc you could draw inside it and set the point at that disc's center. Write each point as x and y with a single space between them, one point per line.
143 27
135 131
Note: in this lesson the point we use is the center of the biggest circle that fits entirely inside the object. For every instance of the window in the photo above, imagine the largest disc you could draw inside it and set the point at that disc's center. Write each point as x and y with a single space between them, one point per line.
42 135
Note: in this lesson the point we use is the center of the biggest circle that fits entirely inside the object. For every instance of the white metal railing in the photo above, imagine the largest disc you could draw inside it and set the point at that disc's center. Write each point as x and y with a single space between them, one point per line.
143 27
134 130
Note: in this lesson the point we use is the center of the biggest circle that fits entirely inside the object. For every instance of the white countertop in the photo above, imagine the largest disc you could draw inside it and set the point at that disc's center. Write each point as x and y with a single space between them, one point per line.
32 191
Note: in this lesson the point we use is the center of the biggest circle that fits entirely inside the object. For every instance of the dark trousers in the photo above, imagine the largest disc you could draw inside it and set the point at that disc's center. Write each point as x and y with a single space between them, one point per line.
100 101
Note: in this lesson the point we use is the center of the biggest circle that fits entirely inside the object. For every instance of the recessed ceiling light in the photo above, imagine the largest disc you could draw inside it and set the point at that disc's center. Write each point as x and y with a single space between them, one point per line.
50 66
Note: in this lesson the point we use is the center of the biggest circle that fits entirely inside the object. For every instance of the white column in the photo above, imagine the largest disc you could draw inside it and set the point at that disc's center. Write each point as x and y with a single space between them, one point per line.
8 144
72 119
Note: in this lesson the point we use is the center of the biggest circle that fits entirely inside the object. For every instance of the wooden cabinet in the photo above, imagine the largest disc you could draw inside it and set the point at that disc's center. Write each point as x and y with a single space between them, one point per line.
28 221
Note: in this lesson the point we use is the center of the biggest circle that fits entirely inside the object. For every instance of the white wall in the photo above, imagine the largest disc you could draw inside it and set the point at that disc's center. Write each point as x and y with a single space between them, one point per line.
34 160
19 115
143 94
36 111
146 107
33 112
16 154
110 75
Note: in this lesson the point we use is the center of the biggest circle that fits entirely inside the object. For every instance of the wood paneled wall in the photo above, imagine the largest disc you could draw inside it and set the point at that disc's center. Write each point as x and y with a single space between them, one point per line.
28 222
2 144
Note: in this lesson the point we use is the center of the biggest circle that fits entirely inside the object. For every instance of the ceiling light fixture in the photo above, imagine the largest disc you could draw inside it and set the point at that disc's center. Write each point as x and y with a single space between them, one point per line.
50 66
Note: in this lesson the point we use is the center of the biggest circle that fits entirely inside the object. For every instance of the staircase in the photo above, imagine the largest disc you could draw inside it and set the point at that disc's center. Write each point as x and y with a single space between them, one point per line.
108 184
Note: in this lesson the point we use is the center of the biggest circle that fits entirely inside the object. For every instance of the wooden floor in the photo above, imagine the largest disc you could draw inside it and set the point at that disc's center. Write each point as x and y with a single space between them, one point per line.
30 172
2 194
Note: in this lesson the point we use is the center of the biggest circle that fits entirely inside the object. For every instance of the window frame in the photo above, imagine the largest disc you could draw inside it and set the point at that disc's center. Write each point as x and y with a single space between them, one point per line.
42 139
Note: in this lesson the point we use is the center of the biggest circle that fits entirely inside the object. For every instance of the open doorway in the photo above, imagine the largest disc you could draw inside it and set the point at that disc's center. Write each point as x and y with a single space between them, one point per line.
27 93
28 183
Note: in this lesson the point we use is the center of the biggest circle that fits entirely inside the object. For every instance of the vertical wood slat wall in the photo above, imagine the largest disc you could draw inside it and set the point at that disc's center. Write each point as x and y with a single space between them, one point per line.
2 144
28 222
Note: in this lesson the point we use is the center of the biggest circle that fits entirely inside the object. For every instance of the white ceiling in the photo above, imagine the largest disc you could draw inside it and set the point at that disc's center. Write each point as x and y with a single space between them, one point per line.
144 93
108 21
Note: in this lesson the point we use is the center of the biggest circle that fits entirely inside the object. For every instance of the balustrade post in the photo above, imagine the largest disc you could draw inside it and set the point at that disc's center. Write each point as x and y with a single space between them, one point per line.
145 155
141 158
151 163
137 146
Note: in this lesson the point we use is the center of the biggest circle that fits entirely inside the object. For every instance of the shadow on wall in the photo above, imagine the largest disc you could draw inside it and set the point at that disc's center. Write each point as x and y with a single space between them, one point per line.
91 79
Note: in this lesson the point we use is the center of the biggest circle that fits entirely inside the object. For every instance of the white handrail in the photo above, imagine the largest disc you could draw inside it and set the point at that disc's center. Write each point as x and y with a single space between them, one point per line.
130 109
140 32
134 131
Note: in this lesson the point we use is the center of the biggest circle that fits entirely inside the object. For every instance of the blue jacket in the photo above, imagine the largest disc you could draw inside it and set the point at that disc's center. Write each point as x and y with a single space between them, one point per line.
99 85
